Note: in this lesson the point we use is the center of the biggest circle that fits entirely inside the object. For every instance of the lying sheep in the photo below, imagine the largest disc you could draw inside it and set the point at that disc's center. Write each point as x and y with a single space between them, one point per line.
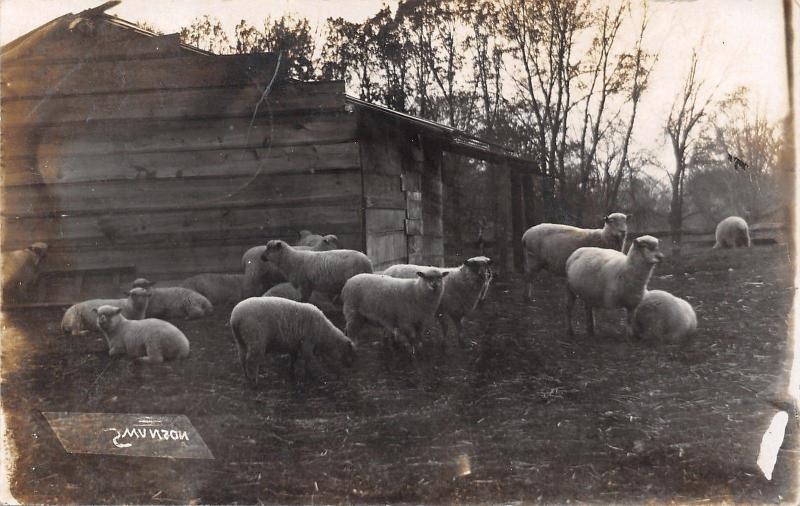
174 302
663 317
217 288
80 318
464 289
609 279
260 276
402 306
20 271
150 341
287 291
262 325
732 232
548 245
321 271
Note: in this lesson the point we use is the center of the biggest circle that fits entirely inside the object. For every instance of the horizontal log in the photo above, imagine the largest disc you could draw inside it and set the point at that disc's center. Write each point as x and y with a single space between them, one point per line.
35 80
174 194
155 136
181 104
181 164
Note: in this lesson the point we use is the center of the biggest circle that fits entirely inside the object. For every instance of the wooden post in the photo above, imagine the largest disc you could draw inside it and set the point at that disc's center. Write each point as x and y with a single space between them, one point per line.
517 217
502 213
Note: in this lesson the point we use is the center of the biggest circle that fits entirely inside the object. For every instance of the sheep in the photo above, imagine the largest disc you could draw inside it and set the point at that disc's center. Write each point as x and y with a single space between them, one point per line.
312 240
174 302
610 279
80 319
732 232
260 276
548 245
149 341
21 270
262 325
401 306
217 288
287 291
464 289
322 271
662 316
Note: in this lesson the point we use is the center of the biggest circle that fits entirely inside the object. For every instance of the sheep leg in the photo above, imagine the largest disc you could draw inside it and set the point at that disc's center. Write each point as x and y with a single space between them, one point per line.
459 333
307 352
570 307
353 325
590 327
630 332
154 354
443 323
305 293
250 365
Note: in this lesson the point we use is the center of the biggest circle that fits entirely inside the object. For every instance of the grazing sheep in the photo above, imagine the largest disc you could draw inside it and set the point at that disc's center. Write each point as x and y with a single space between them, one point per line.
548 245
464 289
175 302
609 279
80 318
662 316
150 341
217 288
321 271
260 276
287 291
262 325
20 271
732 232
402 306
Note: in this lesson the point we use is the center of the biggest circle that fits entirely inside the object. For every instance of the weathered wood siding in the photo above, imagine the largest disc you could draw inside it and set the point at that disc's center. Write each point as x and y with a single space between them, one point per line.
119 149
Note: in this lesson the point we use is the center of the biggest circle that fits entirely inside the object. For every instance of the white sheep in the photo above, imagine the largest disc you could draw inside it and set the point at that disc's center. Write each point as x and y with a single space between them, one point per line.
464 289
663 317
402 306
150 341
260 276
606 278
313 240
287 291
174 302
262 325
732 232
21 270
217 288
548 245
80 318
321 271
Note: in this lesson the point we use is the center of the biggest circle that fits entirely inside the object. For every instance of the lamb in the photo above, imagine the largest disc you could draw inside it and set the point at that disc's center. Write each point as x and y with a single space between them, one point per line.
663 317
174 302
402 306
149 341
609 279
548 245
260 276
80 318
21 269
321 271
287 291
262 325
732 232
465 289
217 288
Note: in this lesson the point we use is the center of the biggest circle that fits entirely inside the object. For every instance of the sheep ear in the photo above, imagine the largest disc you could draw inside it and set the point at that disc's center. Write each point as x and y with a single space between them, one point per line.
445 273
128 293
605 219
117 310
628 216
94 310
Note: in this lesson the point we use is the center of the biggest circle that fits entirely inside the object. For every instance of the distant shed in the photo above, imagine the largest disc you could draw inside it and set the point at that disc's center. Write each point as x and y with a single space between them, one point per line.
133 154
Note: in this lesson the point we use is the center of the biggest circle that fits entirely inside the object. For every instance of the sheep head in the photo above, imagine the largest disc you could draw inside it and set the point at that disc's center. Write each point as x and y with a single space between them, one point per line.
647 247
432 278
107 316
273 250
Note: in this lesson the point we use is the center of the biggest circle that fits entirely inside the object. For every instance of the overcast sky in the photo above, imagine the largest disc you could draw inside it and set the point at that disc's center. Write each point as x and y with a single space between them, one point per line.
740 41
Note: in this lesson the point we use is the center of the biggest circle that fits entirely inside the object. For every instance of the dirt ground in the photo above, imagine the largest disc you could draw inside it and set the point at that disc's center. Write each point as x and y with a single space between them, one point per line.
524 413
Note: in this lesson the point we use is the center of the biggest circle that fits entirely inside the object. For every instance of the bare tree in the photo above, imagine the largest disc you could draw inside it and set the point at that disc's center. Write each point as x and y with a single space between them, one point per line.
206 33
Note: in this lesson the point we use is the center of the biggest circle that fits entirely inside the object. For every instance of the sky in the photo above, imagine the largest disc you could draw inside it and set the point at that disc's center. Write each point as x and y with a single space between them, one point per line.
740 42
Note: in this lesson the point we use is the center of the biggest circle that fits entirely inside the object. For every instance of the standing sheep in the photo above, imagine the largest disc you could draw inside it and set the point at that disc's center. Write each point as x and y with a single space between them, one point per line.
321 271
150 341
217 288
20 271
402 306
464 289
609 279
287 291
81 318
663 317
548 245
174 302
262 325
732 232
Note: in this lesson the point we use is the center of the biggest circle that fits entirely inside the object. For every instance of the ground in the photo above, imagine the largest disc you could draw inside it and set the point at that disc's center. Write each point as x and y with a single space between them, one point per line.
524 413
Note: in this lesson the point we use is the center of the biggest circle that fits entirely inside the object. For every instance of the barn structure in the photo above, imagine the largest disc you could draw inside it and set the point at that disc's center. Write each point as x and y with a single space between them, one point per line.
132 154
